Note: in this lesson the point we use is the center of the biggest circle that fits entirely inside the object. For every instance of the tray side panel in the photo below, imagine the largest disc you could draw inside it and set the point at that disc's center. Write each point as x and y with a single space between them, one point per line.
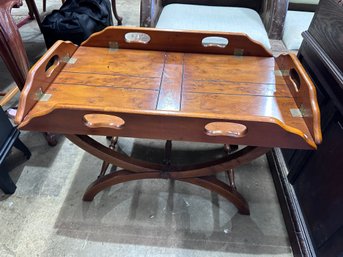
176 41
42 74
303 91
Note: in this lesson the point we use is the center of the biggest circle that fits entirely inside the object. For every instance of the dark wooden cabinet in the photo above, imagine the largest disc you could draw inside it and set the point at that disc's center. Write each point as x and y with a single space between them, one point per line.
9 136
309 183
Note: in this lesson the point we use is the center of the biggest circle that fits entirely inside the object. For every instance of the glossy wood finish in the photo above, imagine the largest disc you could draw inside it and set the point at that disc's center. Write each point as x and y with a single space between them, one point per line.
180 91
308 105
201 174
12 49
179 88
176 41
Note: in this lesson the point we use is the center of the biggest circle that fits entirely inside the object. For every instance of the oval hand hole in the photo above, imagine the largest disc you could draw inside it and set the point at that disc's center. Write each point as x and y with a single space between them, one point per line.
137 37
51 65
103 121
295 79
220 42
229 129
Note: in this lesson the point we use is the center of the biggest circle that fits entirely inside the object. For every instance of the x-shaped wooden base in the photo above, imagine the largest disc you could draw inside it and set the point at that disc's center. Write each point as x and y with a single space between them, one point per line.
200 174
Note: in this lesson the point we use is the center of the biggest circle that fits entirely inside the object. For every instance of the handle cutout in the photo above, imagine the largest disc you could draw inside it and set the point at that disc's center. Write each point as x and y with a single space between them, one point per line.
229 129
220 42
51 65
295 79
137 37
103 121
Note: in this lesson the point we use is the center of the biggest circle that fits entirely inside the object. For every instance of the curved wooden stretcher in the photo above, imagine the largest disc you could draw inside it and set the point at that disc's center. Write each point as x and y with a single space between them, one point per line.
171 85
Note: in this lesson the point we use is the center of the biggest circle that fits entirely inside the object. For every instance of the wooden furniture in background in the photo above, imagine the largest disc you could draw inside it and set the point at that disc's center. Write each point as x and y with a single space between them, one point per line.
44 4
9 136
12 49
272 12
132 82
313 193
33 12
13 52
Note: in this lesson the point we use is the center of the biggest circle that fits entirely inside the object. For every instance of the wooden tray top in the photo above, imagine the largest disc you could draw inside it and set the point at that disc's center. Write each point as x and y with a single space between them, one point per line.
173 87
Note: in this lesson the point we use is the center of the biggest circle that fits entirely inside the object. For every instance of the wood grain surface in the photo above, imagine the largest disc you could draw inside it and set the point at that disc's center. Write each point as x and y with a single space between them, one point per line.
172 95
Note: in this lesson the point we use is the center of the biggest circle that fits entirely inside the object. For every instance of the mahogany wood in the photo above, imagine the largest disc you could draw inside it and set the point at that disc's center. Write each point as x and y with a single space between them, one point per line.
174 41
169 91
308 105
223 189
240 157
110 156
37 87
12 49
184 90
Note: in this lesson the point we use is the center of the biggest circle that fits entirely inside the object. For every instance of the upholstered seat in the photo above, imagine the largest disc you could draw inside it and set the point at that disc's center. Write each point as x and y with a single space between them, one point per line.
296 22
214 18
298 19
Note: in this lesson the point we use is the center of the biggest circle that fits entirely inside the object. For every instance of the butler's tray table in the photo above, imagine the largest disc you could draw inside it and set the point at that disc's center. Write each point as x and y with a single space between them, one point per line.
171 85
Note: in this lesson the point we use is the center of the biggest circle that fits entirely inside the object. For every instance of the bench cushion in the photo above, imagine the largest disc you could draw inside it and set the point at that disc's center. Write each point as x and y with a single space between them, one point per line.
296 22
214 18
304 1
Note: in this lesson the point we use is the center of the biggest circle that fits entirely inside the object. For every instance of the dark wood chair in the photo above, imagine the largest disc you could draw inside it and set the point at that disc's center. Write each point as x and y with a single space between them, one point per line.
271 13
12 49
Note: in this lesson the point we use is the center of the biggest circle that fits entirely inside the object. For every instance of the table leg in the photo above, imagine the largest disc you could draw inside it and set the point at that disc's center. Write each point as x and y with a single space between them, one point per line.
201 174
105 164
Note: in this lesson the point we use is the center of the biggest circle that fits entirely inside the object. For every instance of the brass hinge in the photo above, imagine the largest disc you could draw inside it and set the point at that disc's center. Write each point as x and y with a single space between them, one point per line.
69 60
40 96
113 46
281 72
300 112
238 52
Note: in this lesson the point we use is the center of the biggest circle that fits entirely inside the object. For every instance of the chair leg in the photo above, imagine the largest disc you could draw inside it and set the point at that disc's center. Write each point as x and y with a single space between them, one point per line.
6 183
9 95
22 147
114 10
33 9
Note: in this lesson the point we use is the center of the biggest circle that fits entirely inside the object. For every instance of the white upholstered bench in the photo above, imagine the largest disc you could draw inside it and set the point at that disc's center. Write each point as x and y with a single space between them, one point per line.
297 22
214 18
